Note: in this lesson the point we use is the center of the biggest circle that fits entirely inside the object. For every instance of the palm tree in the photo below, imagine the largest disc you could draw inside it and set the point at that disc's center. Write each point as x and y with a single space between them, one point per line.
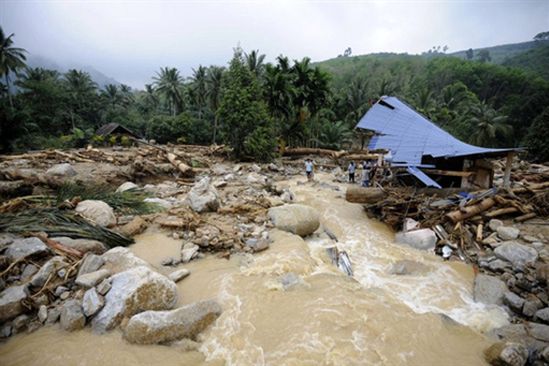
490 127
214 83
112 95
334 135
356 100
168 82
11 59
198 89
80 87
255 62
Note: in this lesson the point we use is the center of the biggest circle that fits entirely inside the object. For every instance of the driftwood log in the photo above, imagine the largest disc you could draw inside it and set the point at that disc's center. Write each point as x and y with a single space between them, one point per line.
186 170
364 194
466 212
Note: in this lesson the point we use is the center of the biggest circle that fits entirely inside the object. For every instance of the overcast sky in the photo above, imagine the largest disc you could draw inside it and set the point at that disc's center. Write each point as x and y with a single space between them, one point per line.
131 40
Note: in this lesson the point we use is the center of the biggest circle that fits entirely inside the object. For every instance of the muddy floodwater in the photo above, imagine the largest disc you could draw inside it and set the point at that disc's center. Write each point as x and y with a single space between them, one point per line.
290 306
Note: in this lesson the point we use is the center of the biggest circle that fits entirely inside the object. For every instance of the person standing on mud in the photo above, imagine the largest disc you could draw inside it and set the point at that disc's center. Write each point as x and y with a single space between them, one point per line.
309 169
352 170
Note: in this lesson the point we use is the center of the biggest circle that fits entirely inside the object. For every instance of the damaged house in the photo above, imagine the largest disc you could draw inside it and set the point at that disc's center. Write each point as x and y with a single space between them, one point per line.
426 151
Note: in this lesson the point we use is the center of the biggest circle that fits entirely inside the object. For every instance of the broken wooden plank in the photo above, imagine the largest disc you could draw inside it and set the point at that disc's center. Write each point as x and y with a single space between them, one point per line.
501 211
466 212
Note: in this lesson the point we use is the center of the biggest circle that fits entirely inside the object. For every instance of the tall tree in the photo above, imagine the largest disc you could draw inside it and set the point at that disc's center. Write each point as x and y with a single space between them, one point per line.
168 83
246 123
490 127
255 61
11 59
198 89
81 89
214 82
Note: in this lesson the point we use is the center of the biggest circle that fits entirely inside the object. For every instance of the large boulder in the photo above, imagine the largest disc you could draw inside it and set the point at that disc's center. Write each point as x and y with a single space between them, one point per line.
127 186
203 197
489 289
508 232
10 302
295 218
93 278
92 302
423 239
164 326
48 269
516 253
98 212
72 317
82 245
90 263
61 170
26 248
506 354
120 259
133 291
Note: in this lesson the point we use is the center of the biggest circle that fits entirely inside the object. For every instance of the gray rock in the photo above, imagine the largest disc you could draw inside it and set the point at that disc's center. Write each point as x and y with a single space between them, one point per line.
545 354
59 290
48 269
53 315
516 253
188 252
65 295
82 245
257 245
92 302
203 197
26 248
542 315
126 187
498 265
120 259
10 302
97 212
531 306
170 261
20 323
514 301
538 331
5 331
188 321
104 286
290 280
508 232
506 354
298 219
178 275
72 317
423 239
489 289
61 170
28 271
91 279
494 224
530 238
90 263
133 291
42 313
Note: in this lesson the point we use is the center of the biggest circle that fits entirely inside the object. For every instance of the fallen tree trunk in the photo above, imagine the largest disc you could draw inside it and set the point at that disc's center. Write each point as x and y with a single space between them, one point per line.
311 151
364 194
186 170
466 212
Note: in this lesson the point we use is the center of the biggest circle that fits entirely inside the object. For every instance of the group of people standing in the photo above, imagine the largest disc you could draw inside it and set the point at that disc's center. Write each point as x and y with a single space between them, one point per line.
371 171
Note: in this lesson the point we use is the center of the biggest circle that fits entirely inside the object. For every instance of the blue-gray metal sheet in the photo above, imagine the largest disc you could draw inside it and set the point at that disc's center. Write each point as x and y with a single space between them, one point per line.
422 177
410 136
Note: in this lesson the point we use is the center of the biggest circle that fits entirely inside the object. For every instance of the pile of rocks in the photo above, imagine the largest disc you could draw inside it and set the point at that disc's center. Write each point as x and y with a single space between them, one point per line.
105 290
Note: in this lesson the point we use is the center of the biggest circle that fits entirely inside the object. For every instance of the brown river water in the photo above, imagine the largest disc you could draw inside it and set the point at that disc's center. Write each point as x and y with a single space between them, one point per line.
325 318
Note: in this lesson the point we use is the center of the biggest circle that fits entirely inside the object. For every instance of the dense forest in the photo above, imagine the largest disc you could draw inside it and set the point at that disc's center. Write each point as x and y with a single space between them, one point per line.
256 107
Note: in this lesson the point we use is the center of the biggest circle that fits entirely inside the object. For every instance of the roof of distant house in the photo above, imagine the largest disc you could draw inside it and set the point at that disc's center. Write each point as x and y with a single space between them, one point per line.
410 136
110 128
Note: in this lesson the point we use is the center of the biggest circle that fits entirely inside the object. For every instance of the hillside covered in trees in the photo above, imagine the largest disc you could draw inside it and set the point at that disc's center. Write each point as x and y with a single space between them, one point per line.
255 107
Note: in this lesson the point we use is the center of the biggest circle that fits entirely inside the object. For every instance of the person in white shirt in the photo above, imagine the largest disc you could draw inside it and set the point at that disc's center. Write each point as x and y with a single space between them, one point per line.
351 169
309 169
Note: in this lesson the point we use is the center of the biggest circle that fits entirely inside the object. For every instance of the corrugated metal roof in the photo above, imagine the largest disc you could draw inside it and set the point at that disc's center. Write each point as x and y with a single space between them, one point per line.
422 177
410 136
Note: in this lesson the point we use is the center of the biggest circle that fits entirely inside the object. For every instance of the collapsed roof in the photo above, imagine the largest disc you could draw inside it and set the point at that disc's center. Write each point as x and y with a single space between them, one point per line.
409 137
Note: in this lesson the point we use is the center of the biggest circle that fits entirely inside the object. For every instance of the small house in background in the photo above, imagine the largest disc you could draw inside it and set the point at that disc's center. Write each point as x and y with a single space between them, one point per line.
426 151
116 131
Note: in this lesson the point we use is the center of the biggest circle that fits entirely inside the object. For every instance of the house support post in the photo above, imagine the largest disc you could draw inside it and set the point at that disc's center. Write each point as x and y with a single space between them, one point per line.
507 174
